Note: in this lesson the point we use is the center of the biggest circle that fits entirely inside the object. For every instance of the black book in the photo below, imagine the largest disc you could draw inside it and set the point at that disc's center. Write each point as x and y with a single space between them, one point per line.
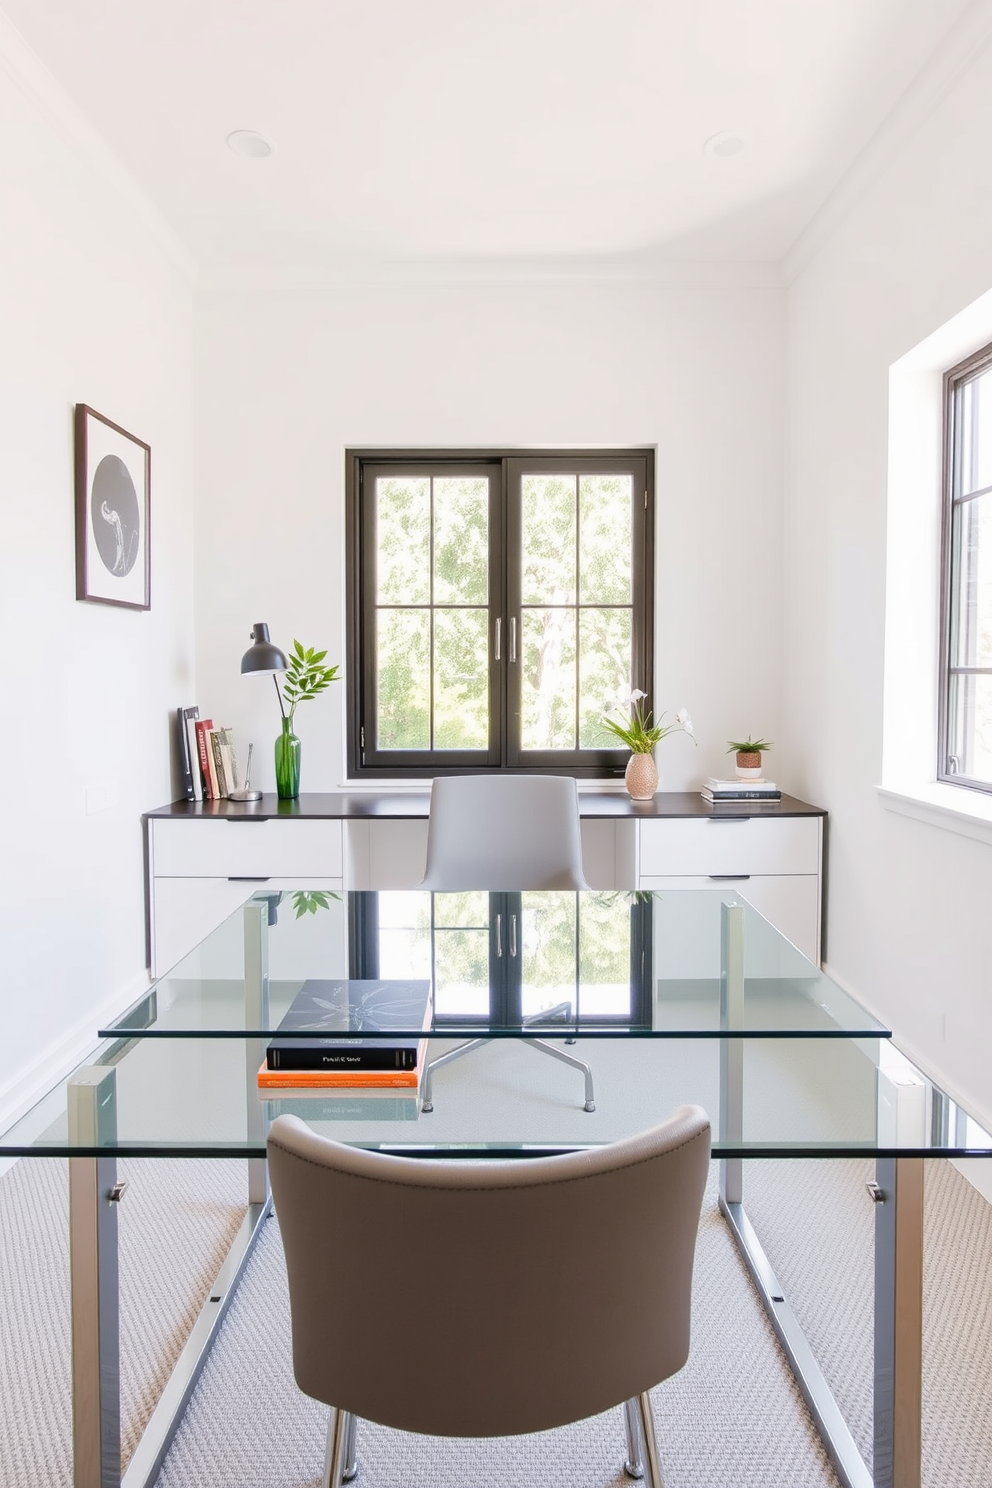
184 759
743 795
333 1011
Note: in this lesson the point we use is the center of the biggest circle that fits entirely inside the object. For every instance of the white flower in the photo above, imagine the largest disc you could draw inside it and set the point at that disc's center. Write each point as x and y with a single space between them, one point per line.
682 718
636 695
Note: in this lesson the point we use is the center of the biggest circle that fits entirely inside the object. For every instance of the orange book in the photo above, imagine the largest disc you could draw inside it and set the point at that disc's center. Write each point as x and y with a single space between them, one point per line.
351 1079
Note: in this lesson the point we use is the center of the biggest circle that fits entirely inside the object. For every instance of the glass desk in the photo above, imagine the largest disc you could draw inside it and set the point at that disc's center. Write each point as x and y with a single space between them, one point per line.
646 1000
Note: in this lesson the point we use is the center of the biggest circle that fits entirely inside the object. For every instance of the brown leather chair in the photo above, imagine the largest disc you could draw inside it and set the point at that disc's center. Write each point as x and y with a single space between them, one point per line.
550 1289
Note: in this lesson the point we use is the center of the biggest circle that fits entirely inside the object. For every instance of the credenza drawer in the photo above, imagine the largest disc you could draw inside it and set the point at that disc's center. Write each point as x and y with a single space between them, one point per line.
729 845
244 847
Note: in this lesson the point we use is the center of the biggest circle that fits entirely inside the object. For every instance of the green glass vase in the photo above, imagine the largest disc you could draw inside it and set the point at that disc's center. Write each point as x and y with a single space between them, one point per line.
287 763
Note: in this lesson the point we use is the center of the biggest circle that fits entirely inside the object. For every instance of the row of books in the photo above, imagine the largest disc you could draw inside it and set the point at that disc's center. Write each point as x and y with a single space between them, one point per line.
208 757
337 1059
756 789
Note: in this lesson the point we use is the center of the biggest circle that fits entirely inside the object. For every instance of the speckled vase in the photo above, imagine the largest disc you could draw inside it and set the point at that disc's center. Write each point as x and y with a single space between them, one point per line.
641 777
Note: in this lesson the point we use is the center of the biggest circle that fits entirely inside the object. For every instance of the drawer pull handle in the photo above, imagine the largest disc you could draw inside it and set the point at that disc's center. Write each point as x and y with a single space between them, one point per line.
727 819
233 819
721 877
248 877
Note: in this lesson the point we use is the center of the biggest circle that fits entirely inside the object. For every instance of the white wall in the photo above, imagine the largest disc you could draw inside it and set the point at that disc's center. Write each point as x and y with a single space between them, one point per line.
289 375
92 310
908 920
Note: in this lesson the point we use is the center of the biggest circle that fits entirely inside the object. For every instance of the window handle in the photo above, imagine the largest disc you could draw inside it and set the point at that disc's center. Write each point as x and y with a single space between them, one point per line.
513 935
499 935
499 637
513 638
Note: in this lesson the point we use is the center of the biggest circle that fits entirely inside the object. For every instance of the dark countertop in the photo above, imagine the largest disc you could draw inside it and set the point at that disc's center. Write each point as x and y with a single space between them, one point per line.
415 805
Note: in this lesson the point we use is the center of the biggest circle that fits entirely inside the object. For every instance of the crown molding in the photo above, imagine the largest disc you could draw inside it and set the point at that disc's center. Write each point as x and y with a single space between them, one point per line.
24 68
340 273
956 54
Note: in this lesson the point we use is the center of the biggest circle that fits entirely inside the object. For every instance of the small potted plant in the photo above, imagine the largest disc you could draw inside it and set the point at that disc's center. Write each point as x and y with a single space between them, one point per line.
748 752
640 736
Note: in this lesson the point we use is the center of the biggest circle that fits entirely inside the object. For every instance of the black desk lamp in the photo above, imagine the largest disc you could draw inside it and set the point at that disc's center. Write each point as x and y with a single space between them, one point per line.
261 657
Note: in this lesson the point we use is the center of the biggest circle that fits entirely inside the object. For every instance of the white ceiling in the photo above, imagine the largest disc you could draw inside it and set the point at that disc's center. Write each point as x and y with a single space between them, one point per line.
459 129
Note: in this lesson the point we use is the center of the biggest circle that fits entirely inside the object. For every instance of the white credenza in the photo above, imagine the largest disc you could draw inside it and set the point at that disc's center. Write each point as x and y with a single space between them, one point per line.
204 859
776 863
199 871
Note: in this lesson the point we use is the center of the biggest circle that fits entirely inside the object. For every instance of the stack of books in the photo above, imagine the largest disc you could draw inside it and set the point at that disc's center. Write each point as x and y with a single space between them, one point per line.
757 789
207 756
336 1060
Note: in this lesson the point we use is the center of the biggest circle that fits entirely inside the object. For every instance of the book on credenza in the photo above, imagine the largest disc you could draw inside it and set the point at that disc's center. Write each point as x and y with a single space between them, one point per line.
335 1013
187 765
214 740
747 794
229 759
739 783
207 770
190 715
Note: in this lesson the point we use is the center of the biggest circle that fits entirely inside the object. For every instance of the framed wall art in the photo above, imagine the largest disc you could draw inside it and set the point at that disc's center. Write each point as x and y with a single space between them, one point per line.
113 544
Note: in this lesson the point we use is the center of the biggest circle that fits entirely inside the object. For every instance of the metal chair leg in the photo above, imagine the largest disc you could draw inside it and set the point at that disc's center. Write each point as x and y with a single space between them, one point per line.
634 1462
574 1063
426 1085
334 1455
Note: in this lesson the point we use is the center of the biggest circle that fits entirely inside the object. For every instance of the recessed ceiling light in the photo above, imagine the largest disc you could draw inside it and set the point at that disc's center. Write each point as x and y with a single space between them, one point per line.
250 143
724 144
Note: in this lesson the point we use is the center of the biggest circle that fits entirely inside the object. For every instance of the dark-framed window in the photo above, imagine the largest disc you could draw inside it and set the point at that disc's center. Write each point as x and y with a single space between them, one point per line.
498 601
965 691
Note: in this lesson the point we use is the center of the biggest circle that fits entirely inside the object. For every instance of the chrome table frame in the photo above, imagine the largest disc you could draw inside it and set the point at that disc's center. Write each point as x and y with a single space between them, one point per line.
95 1194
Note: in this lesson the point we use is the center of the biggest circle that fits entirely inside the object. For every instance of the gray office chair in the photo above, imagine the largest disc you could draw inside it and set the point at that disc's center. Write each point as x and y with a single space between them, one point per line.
550 1289
505 832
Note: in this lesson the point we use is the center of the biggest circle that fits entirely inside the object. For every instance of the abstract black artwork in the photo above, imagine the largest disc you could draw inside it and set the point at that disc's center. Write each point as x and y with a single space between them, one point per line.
113 479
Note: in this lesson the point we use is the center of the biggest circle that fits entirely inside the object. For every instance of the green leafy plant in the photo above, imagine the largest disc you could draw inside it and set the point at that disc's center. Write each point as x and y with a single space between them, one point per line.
638 732
305 677
748 746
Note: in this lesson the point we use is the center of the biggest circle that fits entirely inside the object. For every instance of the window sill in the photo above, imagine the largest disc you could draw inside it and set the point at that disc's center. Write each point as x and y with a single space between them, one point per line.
955 809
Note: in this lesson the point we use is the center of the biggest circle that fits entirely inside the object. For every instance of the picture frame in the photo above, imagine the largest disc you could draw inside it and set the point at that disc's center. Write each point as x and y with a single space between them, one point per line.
113 508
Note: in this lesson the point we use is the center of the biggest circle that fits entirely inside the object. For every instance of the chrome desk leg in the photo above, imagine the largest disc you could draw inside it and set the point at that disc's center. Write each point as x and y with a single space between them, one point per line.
350 1459
898 1195
837 1439
94 1281
256 923
731 1049
634 1462
652 1459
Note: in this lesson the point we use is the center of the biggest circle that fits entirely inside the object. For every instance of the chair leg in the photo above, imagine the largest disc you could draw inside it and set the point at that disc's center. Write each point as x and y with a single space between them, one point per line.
634 1461
652 1461
574 1063
426 1086
335 1454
